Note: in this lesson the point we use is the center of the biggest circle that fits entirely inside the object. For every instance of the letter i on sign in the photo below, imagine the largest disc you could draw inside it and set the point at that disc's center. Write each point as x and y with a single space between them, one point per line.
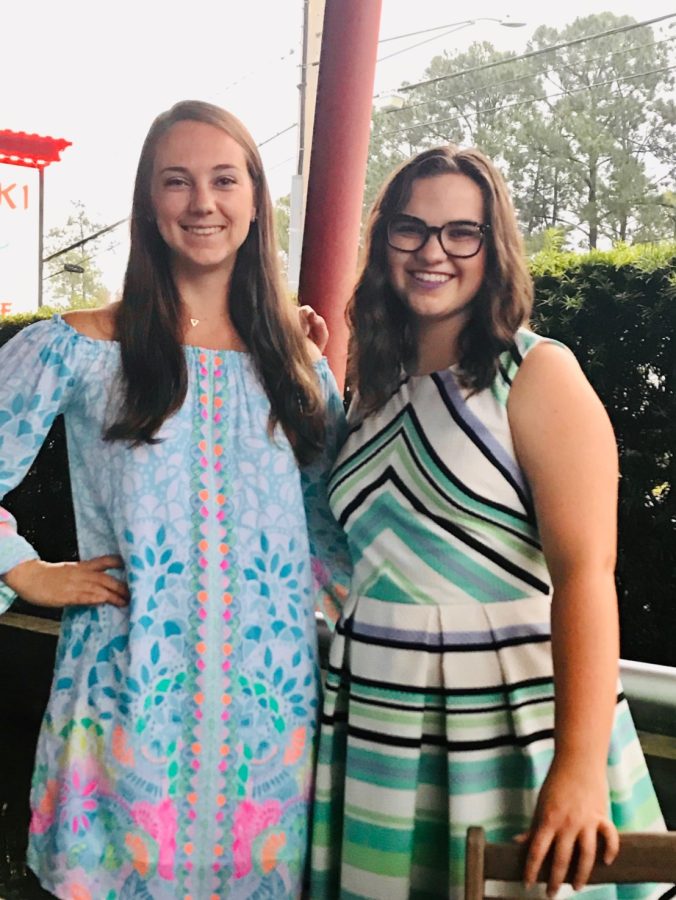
7 196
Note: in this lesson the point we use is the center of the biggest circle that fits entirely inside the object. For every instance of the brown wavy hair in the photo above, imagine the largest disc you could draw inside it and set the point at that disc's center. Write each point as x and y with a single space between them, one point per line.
149 320
383 335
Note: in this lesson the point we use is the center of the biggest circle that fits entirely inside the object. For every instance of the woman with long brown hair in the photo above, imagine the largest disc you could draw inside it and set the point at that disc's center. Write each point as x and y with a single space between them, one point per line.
473 675
175 756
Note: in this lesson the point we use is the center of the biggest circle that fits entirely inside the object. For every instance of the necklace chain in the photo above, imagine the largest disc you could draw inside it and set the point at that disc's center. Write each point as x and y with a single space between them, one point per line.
195 321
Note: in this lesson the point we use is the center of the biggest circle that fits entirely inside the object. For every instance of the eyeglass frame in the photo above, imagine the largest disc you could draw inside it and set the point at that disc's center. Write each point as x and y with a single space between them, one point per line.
437 231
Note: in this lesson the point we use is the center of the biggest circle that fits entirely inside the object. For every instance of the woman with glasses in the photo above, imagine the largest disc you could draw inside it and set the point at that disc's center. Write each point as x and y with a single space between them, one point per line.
473 676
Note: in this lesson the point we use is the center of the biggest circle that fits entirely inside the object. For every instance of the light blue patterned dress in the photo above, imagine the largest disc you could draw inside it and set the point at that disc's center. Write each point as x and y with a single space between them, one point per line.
174 760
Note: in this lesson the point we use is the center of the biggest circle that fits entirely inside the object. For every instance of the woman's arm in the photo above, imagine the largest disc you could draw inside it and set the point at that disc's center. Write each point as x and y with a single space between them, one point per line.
565 445
331 564
68 583
38 379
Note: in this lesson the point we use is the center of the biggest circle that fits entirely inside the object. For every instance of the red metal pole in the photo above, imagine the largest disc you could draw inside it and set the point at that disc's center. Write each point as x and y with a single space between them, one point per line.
340 143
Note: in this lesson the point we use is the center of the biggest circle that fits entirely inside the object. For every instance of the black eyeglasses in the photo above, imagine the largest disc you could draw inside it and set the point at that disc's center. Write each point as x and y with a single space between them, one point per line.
460 239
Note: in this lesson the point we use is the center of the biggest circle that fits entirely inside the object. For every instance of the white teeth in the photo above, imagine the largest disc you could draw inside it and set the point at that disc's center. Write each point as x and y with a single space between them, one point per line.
435 277
202 229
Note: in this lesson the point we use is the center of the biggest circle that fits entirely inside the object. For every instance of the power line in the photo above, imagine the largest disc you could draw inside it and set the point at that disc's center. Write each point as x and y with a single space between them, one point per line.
532 53
436 37
281 163
398 37
530 100
279 134
504 22
259 70
483 89
453 26
491 65
80 243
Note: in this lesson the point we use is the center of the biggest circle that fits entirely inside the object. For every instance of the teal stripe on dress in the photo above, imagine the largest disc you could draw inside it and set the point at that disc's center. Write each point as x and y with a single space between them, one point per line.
467 575
359 471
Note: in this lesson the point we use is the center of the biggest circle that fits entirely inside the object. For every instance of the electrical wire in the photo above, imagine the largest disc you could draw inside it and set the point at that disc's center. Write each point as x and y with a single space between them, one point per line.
530 100
426 41
82 242
532 53
510 59
281 163
484 89
279 134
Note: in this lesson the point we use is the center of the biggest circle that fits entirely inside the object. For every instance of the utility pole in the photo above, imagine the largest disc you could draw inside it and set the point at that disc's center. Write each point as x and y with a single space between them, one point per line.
339 155
313 19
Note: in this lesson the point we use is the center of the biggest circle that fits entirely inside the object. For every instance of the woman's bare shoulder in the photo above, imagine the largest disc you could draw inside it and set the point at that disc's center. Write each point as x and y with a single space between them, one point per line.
94 323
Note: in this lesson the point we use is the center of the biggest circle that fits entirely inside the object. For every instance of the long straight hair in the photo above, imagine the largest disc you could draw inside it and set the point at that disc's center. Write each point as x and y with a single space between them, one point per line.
383 334
149 320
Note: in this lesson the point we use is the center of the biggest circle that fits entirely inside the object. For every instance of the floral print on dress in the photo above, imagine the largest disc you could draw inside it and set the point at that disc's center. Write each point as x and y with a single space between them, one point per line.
174 761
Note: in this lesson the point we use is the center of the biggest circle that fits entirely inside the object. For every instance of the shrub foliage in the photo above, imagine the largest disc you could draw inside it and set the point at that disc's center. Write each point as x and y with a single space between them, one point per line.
617 311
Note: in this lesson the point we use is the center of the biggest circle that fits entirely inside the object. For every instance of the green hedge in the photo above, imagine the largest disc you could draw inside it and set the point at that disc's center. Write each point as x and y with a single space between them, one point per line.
617 311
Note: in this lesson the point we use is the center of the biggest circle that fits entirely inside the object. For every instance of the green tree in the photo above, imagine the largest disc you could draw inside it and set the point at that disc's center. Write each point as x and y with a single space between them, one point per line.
464 108
583 134
73 279
282 220
608 126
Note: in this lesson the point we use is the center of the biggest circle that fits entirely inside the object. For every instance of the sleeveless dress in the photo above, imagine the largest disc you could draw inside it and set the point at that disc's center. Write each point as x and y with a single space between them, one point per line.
175 757
439 697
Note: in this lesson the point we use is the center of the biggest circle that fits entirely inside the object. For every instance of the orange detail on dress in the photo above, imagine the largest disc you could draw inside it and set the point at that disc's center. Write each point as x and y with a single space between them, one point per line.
120 747
270 849
139 852
296 746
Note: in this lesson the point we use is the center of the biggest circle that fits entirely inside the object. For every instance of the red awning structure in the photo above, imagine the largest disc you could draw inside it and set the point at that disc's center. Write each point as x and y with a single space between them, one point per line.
33 150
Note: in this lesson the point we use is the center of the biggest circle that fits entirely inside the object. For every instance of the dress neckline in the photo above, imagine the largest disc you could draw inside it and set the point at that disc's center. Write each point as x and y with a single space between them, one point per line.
85 338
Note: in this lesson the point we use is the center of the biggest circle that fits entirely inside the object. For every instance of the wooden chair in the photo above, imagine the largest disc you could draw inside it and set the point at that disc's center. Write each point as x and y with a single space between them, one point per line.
642 858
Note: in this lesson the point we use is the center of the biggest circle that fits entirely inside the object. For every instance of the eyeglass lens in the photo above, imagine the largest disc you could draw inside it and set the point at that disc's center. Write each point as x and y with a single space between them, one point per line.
457 238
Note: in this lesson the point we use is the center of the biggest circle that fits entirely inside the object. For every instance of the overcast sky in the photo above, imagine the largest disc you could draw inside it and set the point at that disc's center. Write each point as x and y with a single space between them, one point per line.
97 74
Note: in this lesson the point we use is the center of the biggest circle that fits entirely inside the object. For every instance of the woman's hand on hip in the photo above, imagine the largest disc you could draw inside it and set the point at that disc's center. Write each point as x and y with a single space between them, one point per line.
69 583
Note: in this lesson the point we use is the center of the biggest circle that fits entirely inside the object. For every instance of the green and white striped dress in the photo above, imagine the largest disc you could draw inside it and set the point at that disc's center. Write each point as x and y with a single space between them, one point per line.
439 699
